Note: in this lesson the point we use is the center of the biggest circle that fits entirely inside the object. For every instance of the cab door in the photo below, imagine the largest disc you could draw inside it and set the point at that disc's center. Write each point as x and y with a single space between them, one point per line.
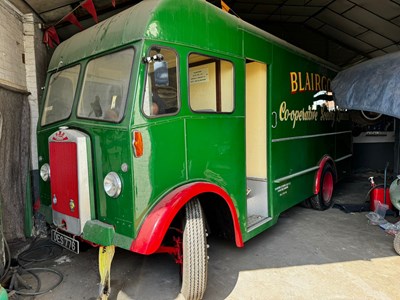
161 165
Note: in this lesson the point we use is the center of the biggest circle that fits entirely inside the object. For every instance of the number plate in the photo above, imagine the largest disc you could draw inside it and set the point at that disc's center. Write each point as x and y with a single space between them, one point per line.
65 241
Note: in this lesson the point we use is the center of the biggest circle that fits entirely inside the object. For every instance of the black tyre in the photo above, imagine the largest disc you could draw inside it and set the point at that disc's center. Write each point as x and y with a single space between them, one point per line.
306 203
396 243
195 261
324 200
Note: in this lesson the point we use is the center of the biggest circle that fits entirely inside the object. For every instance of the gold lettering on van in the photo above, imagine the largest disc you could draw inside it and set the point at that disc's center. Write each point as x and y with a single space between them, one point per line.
295 116
305 81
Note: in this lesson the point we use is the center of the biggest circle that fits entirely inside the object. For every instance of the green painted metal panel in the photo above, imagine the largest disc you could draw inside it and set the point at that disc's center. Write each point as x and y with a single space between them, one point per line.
252 49
111 150
3 294
98 233
215 153
162 166
122 241
299 136
28 215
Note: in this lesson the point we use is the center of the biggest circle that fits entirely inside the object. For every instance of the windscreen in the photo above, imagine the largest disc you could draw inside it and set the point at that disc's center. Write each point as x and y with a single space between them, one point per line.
60 95
105 86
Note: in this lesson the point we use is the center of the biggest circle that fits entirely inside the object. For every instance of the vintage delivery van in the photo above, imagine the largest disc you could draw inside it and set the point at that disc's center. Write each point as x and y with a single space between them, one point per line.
174 120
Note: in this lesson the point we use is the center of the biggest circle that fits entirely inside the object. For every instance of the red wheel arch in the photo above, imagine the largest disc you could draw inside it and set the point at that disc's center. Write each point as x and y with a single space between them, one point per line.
155 226
326 159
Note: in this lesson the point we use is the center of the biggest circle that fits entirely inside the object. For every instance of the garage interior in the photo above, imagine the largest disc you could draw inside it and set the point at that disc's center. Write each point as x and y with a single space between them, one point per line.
330 254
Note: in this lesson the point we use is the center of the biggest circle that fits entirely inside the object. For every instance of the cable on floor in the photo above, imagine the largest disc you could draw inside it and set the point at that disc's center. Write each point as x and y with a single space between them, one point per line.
38 251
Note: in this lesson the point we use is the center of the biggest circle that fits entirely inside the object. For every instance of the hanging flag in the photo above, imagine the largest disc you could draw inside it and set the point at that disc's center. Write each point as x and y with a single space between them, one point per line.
113 3
225 7
50 35
89 6
47 40
71 18
53 34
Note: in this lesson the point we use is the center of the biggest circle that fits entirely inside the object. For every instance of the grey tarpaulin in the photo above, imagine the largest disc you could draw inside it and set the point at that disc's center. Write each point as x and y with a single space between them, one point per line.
373 85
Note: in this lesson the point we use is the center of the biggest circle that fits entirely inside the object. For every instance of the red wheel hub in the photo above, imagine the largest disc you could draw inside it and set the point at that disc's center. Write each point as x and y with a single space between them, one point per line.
327 187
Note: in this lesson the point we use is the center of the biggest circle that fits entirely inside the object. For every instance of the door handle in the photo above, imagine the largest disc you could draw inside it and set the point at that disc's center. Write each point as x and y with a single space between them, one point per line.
275 116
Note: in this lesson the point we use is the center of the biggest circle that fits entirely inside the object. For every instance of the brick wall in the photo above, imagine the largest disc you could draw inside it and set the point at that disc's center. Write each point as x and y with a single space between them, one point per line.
12 68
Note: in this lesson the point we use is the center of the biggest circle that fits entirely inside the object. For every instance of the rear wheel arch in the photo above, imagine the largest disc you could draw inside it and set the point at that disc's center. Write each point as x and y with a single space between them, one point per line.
326 160
325 180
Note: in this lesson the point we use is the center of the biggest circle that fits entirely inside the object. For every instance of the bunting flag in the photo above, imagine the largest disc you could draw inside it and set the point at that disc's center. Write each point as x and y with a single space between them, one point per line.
72 18
47 40
53 34
225 7
50 35
89 6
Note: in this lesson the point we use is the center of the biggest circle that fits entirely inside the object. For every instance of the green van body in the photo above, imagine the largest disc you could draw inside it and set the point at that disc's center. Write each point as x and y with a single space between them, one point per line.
191 154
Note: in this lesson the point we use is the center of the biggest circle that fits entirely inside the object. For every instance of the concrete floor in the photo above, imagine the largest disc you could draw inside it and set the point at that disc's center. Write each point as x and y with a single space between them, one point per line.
307 255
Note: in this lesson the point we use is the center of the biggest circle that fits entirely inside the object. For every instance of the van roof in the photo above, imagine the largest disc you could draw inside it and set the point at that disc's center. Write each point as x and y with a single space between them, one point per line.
185 22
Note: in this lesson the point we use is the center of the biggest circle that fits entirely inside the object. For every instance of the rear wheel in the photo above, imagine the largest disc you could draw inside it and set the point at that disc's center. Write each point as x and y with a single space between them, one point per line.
324 200
306 203
195 261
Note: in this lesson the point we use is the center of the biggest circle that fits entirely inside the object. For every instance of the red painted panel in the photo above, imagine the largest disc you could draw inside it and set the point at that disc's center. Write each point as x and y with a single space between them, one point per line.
64 177
157 222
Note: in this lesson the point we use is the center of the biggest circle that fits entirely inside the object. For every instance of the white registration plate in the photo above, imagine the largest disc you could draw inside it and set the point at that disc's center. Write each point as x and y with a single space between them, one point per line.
65 241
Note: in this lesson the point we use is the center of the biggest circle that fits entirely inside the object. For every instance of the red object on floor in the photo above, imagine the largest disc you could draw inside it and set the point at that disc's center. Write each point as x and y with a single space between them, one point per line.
377 195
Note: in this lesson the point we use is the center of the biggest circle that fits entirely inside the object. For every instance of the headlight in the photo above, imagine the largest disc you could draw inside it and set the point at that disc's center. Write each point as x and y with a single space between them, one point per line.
45 172
112 184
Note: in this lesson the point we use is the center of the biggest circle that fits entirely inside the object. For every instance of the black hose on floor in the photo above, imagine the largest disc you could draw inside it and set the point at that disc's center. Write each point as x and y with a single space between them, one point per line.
38 292
39 250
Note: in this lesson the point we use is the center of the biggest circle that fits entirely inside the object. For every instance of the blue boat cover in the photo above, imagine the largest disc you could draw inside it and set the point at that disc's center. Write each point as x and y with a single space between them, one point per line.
373 85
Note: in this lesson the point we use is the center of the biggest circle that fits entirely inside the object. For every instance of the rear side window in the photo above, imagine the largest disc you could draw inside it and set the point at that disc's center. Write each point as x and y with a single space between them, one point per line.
161 87
211 82
60 95
105 86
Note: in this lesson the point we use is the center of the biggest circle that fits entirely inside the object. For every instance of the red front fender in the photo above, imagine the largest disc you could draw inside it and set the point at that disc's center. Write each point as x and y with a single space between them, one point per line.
158 221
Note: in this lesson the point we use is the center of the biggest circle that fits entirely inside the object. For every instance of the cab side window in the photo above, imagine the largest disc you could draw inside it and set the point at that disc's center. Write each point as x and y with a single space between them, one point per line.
211 84
161 87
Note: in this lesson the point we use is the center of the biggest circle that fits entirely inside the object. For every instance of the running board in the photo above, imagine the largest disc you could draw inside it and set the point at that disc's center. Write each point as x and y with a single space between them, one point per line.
254 221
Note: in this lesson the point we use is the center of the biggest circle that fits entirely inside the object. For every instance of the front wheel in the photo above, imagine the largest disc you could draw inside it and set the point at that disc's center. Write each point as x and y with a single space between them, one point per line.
195 261
396 243
324 200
